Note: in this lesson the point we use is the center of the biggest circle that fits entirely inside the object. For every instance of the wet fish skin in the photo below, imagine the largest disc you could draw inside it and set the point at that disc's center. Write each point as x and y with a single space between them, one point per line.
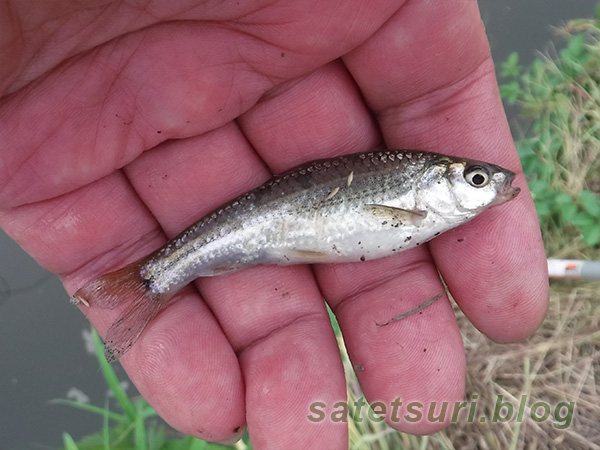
350 208
311 215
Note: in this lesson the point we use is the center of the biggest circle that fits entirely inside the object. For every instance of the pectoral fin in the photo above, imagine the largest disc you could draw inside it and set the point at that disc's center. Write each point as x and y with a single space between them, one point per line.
396 215
302 256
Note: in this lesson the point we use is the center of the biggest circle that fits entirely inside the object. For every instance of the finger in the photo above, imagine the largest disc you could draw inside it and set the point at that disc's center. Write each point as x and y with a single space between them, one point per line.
265 311
276 319
179 381
417 360
367 293
167 81
116 102
495 266
59 165
59 30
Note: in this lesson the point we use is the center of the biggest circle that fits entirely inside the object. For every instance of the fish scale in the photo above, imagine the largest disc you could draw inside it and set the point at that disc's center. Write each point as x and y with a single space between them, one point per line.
351 208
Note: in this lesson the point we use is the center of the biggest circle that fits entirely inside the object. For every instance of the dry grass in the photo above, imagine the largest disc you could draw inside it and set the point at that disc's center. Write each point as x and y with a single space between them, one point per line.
559 363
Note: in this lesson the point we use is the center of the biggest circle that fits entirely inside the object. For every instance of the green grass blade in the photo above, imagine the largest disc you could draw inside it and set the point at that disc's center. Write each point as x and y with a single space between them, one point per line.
105 428
198 444
91 408
111 379
69 442
334 323
140 433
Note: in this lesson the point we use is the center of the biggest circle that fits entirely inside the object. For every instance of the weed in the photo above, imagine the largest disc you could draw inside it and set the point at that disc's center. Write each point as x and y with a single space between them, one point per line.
137 427
560 97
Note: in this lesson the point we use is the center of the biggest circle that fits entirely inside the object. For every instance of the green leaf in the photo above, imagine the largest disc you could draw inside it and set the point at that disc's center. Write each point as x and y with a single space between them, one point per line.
562 199
542 208
537 70
198 444
510 92
590 202
572 67
69 442
179 444
591 235
582 219
214 446
585 58
575 48
334 323
510 67
569 211
539 187
525 147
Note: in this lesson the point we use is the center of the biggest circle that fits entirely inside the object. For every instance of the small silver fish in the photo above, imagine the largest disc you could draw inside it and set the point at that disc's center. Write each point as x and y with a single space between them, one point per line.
350 208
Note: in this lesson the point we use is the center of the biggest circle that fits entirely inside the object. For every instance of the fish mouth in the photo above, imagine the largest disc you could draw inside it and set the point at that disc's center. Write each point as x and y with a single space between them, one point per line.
507 192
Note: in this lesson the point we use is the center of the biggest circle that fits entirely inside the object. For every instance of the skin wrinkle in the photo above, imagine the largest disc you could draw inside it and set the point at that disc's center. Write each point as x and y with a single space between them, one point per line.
133 169
421 127
444 99
123 68
411 84
9 176
45 41
74 199
264 24
96 33
12 46
230 135
383 74
119 256
258 340
255 67
92 38
284 293
338 304
335 79
96 148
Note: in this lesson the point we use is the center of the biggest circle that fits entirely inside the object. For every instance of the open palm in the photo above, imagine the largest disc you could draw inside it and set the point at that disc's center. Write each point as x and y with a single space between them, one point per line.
120 125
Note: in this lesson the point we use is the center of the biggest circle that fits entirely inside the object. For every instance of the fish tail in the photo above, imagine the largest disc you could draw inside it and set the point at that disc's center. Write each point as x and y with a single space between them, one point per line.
124 287
108 291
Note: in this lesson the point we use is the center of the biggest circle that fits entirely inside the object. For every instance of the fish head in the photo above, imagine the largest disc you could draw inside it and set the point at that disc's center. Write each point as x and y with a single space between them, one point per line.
461 189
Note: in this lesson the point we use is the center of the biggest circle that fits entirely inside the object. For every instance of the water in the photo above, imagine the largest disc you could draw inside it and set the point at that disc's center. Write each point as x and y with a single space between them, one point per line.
42 351
42 356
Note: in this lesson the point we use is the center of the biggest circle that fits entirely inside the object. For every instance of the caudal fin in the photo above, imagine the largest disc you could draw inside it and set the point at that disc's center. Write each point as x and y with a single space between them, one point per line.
122 287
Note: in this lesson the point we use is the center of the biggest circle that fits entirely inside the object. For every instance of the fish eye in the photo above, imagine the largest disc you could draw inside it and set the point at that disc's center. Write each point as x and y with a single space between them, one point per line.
477 176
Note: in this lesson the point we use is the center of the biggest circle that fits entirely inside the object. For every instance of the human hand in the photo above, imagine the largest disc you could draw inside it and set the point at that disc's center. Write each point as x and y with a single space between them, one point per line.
121 126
